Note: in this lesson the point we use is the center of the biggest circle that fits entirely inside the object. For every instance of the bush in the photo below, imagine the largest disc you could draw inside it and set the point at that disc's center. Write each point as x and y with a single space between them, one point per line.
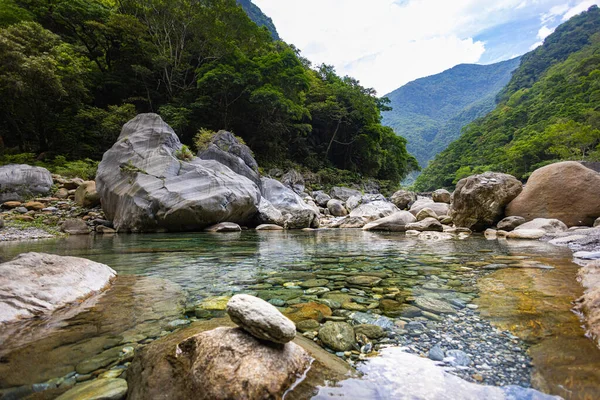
85 169
184 154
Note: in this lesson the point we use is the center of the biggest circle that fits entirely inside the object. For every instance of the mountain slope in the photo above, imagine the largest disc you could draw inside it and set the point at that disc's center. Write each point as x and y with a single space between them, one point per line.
258 17
555 117
430 112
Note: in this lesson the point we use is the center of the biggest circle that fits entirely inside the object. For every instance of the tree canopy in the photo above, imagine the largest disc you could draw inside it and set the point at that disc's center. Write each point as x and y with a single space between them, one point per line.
73 71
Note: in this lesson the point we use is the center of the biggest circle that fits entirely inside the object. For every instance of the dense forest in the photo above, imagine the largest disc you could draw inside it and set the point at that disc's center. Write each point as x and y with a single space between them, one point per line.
550 111
73 71
430 112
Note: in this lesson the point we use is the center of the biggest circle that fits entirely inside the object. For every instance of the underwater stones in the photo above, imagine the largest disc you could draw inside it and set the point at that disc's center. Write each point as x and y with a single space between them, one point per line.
434 305
308 325
390 307
303 311
260 319
224 227
100 360
338 336
372 319
311 283
363 280
283 294
269 227
99 389
370 331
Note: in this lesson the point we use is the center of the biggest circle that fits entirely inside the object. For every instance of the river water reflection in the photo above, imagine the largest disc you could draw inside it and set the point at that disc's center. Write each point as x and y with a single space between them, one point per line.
160 274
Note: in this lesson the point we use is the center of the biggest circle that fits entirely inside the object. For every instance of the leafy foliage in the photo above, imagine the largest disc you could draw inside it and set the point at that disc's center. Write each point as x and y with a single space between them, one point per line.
556 118
73 71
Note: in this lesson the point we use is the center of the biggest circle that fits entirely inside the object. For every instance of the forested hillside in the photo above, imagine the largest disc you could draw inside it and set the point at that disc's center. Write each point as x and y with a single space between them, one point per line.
430 112
73 71
256 15
550 111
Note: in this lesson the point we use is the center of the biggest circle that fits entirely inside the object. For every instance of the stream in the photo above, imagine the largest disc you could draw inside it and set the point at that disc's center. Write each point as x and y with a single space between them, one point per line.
510 302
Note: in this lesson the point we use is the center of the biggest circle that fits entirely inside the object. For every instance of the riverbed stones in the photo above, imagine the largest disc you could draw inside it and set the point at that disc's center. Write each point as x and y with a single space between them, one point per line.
336 208
75 227
338 336
101 360
269 227
546 224
403 199
224 227
479 200
393 223
308 325
260 319
567 191
372 319
99 389
312 283
303 311
34 205
145 187
510 223
296 213
374 210
363 280
589 303
427 224
526 234
441 196
434 305
86 195
224 363
20 181
458 358
343 193
370 331
34 284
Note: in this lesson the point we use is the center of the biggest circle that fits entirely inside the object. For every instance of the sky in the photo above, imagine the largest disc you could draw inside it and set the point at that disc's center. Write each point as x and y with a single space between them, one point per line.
387 43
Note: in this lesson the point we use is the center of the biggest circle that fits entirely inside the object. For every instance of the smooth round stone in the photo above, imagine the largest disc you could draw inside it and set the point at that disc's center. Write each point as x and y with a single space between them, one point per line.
363 280
370 331
224 227
308 325
269 227
178 323
349 305
338 336
311 283
260 319
99 389
316 291
277 302
436 353
433 305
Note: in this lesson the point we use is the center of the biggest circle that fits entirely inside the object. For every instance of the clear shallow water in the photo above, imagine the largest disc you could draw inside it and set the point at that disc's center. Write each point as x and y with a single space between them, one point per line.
161 273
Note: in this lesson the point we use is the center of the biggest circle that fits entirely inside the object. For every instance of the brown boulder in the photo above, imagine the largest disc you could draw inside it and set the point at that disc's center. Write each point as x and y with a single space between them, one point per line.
566 191
479 200
224 363
86 195
304 311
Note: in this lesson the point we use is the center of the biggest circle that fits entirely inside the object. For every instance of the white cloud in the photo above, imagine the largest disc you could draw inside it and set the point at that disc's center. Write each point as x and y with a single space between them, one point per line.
579 8
536 45
544 32
387 43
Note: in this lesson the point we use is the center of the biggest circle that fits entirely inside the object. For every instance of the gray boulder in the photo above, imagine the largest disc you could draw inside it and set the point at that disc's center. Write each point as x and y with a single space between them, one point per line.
144 187
510 223
294 180
479 200
439 208
343 193
227 150
355 201
374 210
427 224
441 196
393 223
338 336
74 227
261 319
336 208
296 213
321 198
20 181
546 224
35 284
224 227
597 222
403 199
268 214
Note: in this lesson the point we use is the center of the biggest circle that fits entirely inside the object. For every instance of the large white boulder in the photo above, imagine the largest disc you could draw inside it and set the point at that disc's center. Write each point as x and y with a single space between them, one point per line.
19 181
146 185
34 284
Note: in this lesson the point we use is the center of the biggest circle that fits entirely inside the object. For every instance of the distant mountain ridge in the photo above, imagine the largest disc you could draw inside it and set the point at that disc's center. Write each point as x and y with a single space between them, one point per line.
430 112
259 18
549 112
